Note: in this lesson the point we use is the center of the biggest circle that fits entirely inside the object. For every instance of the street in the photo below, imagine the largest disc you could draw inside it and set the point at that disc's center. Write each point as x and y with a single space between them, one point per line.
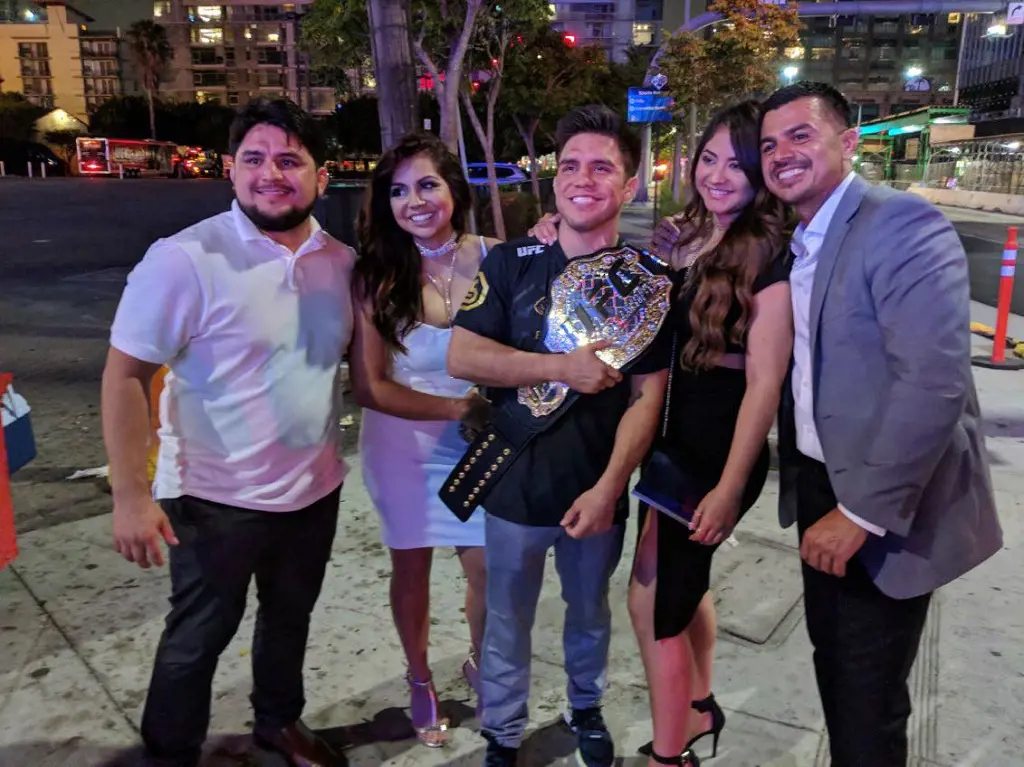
79 624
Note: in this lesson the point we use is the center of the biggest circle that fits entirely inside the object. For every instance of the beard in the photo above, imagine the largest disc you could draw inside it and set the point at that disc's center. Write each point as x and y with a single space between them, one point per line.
283 222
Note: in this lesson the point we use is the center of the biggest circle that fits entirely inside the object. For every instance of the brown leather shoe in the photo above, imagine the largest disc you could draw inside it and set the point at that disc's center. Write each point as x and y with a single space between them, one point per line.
300 746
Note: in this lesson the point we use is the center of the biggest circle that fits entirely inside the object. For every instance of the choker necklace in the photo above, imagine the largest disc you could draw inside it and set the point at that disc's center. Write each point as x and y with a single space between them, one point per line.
442 250
443 287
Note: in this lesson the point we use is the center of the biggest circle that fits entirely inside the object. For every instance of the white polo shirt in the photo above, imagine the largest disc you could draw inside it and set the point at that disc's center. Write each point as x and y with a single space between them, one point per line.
253 335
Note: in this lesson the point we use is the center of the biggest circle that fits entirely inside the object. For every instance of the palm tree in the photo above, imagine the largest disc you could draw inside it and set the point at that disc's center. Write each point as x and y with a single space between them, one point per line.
151 52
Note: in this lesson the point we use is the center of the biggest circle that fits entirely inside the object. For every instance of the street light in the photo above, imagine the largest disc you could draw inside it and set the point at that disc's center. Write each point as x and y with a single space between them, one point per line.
790 73
914 72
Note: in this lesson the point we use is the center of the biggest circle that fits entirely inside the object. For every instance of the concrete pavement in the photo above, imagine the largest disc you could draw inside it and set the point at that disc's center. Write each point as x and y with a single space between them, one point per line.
78 629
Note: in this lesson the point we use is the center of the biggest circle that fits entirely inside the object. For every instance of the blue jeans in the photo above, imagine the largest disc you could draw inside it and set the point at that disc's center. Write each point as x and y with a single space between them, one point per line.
515 572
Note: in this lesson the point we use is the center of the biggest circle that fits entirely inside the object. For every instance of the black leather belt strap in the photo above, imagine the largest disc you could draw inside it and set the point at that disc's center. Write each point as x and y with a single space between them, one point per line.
492 453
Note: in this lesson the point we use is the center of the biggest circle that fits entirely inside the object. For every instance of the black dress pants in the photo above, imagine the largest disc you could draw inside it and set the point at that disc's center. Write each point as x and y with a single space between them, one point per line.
864 643
221 548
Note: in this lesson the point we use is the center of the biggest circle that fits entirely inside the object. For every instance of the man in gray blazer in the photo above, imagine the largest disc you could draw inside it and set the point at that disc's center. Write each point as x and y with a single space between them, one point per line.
882 456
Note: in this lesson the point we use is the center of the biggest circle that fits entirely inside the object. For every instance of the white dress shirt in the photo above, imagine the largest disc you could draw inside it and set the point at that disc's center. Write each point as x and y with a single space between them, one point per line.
806 244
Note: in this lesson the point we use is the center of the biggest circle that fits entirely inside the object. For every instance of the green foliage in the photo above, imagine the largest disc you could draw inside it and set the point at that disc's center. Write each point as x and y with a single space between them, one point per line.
187 122
64 143
739 58
337 35
151 52
18 116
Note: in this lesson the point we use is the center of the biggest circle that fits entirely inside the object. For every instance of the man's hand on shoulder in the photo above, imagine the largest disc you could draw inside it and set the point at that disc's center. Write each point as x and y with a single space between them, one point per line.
592 513
585 372
831 542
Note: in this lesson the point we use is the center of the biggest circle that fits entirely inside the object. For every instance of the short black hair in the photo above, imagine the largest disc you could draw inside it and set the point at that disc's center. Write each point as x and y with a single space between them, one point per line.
281 113
596 118
806 89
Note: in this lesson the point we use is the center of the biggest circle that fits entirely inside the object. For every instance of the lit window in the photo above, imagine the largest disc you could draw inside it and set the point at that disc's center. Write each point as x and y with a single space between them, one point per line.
210 13
248 34
643 34
796 52
161 8
211 36
273 37
953 18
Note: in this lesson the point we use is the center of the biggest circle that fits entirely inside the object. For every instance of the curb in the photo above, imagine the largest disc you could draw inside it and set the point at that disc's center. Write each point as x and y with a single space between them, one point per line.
986 331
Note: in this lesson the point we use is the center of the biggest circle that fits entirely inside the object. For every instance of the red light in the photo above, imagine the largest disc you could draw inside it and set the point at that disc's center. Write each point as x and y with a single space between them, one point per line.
476 84
569 39
494 63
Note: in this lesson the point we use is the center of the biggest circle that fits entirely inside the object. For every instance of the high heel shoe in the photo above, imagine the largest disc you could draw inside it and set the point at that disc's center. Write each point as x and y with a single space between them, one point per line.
685 759
707 705
423 711
710 705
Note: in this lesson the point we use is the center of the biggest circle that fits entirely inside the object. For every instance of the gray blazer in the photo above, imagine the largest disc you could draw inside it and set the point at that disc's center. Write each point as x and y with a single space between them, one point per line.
894 399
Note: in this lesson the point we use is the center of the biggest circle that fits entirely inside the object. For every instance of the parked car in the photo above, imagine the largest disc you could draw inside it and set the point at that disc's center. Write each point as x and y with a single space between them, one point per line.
16 156
507 173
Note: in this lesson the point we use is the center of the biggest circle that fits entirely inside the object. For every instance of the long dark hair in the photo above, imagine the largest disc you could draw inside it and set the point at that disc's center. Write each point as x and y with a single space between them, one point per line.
751 242
389 269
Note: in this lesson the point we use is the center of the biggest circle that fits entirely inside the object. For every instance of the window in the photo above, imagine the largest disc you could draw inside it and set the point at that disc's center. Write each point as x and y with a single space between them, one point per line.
209 79
207 36
867 111
795 53
643 34
273 56
161 8
232 99
33 51
35 68
823 54
206 13
205 57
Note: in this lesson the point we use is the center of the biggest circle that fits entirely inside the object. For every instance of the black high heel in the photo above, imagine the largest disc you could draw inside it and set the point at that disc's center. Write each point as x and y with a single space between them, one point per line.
708 704
685 759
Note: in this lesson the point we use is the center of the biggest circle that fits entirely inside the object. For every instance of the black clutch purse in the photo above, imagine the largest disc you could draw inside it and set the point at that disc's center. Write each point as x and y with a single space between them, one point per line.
663 484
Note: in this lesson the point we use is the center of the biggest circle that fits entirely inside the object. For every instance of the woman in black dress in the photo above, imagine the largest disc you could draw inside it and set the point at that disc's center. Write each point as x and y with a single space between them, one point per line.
734 339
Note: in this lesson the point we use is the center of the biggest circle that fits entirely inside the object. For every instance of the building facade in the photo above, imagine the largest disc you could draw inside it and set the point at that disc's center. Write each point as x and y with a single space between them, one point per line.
992 68
606 24
233 51
50 53
883 64
41 55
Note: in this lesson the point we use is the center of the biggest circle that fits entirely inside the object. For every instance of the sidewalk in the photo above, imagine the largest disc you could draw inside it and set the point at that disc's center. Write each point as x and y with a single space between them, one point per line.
79 626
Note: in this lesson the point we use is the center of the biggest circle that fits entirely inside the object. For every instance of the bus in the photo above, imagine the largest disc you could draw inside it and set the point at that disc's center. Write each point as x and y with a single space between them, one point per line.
109 156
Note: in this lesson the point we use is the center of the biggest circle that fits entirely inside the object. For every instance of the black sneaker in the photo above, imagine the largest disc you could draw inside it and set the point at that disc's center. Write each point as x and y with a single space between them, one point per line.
594 746
498 755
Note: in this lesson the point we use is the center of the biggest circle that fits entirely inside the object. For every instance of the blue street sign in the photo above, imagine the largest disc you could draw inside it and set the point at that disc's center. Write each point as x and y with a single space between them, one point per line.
646 105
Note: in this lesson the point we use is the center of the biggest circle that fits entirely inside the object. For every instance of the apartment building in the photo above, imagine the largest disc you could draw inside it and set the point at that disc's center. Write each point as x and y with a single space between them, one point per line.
883 64
615 26
992 69
50 52
233 51
40 54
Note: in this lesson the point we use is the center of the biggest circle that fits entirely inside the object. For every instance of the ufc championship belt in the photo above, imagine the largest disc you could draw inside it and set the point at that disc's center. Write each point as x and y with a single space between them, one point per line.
621 295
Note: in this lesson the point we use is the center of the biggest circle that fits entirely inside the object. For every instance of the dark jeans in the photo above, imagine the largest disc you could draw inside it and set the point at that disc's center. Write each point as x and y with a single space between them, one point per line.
221 548
864 642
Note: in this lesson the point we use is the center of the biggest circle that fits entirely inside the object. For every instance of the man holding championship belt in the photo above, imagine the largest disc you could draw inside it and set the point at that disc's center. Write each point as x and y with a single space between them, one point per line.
567 339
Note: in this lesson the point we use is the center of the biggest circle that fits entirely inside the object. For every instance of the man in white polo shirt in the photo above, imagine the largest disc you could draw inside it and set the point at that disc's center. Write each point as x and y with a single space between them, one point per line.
250 312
